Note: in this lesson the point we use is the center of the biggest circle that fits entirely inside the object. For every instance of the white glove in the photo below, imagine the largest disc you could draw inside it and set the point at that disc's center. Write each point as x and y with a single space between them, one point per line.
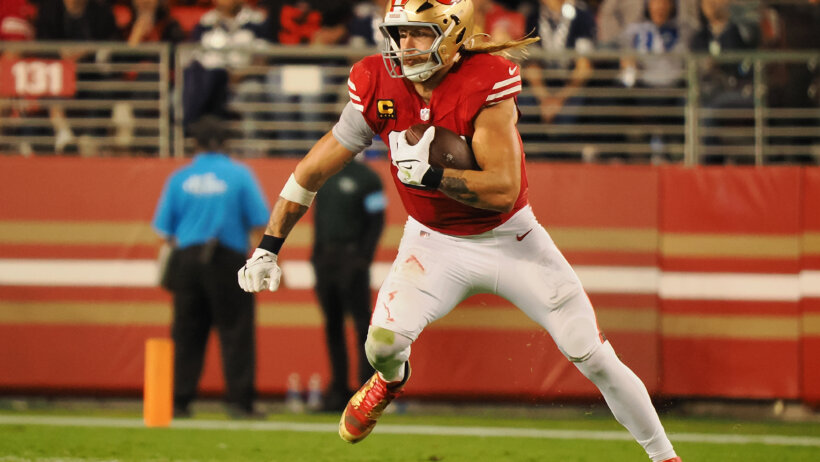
411 161
260 271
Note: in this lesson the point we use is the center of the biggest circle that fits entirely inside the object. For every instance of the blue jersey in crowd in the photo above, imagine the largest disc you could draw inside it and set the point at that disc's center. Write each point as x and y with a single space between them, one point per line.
213 197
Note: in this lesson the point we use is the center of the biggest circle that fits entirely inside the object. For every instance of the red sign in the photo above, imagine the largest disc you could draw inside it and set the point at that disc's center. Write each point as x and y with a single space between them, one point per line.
34 78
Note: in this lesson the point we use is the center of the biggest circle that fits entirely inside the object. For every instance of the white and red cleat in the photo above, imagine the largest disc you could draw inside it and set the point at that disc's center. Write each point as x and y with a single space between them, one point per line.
674 459
366 406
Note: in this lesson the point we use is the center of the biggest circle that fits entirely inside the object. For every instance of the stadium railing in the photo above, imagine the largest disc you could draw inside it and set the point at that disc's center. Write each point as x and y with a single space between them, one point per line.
92 98
745 108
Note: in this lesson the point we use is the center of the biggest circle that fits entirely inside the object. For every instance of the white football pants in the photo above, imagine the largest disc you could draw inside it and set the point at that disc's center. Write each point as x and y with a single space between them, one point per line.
518 260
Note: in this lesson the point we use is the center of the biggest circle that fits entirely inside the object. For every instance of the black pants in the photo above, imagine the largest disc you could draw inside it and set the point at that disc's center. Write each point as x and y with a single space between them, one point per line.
344 289
207 295
205 92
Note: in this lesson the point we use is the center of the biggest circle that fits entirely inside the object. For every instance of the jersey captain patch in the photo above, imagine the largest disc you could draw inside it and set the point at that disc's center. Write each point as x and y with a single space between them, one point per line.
386 108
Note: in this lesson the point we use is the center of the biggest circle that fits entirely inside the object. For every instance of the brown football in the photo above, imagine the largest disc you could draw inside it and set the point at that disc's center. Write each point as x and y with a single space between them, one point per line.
448 149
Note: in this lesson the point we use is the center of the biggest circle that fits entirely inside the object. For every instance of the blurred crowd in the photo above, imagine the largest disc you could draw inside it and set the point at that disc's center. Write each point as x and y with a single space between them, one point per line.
641 27
604 23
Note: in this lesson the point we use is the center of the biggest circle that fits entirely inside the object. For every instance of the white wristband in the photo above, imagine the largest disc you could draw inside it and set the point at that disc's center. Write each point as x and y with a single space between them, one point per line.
294 192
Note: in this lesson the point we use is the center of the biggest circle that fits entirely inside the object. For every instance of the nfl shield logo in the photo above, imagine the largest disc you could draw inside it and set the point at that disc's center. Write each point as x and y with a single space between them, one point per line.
424 114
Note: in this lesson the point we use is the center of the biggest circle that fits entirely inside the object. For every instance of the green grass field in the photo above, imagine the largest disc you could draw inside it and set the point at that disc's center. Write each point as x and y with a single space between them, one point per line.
85 434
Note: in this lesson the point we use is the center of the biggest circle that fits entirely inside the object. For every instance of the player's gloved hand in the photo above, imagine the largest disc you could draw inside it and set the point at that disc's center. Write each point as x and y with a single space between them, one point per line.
260 271
412 160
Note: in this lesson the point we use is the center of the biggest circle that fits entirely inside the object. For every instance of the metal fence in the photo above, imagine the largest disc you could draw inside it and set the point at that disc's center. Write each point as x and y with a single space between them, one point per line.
751 108
84 98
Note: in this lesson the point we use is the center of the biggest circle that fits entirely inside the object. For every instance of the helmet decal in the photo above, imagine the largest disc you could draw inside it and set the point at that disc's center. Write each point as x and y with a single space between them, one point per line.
397 4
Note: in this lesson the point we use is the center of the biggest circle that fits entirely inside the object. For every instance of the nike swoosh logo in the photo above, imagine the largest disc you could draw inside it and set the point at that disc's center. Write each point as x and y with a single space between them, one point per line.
512 70
521 237
406 164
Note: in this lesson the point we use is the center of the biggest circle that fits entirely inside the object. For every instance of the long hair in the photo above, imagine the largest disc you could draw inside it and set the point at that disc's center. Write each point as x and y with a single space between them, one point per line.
509 49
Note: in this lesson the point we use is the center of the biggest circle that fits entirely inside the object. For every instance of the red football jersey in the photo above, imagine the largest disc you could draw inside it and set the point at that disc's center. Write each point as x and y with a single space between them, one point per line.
392 105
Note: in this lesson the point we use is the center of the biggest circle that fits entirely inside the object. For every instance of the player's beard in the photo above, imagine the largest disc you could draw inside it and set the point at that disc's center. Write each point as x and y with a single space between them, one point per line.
420 71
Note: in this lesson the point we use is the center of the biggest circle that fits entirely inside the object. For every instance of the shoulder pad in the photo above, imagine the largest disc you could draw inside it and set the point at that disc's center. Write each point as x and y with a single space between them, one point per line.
360 81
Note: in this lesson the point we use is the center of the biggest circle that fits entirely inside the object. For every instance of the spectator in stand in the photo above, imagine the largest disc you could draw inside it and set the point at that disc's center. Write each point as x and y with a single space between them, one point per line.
15 26
689 15
301 81
150 22
562 25
335 18
658 34
292 22
225 33
302 22
792 85
499 23
613 18
78 21
726 85
14 20
364 25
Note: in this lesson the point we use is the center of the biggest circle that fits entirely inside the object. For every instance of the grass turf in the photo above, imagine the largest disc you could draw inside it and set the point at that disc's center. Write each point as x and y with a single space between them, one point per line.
69 443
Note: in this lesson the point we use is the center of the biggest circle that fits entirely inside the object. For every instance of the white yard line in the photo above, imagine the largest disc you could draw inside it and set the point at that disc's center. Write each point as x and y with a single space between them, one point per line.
485 432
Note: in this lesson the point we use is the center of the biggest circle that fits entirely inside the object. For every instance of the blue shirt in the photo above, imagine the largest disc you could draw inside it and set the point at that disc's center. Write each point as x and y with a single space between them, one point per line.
572 29
212 197
225 40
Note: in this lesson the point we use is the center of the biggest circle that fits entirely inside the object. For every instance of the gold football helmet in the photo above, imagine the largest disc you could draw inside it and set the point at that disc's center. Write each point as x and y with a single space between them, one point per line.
450 20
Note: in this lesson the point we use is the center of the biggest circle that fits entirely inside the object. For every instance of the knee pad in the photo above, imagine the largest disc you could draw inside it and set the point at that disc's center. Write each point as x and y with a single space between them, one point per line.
579 338
385 348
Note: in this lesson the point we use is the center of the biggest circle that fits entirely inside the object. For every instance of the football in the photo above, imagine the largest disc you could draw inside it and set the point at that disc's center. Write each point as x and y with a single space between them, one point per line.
448 149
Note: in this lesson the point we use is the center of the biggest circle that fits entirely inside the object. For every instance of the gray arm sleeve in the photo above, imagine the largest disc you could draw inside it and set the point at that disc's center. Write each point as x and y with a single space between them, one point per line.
352 131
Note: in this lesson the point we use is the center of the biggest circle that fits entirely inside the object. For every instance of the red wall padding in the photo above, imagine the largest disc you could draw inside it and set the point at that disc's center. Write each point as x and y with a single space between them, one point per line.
90 339
810 305
729 203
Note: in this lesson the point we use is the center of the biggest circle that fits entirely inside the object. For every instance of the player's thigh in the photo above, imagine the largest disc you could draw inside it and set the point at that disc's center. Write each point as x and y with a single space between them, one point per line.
423 285
546 288
536 278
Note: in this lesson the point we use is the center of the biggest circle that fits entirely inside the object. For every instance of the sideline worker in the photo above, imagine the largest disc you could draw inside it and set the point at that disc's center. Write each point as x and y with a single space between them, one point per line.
207 211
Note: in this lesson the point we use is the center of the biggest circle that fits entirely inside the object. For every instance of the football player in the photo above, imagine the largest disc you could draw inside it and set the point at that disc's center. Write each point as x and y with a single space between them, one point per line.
468 231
